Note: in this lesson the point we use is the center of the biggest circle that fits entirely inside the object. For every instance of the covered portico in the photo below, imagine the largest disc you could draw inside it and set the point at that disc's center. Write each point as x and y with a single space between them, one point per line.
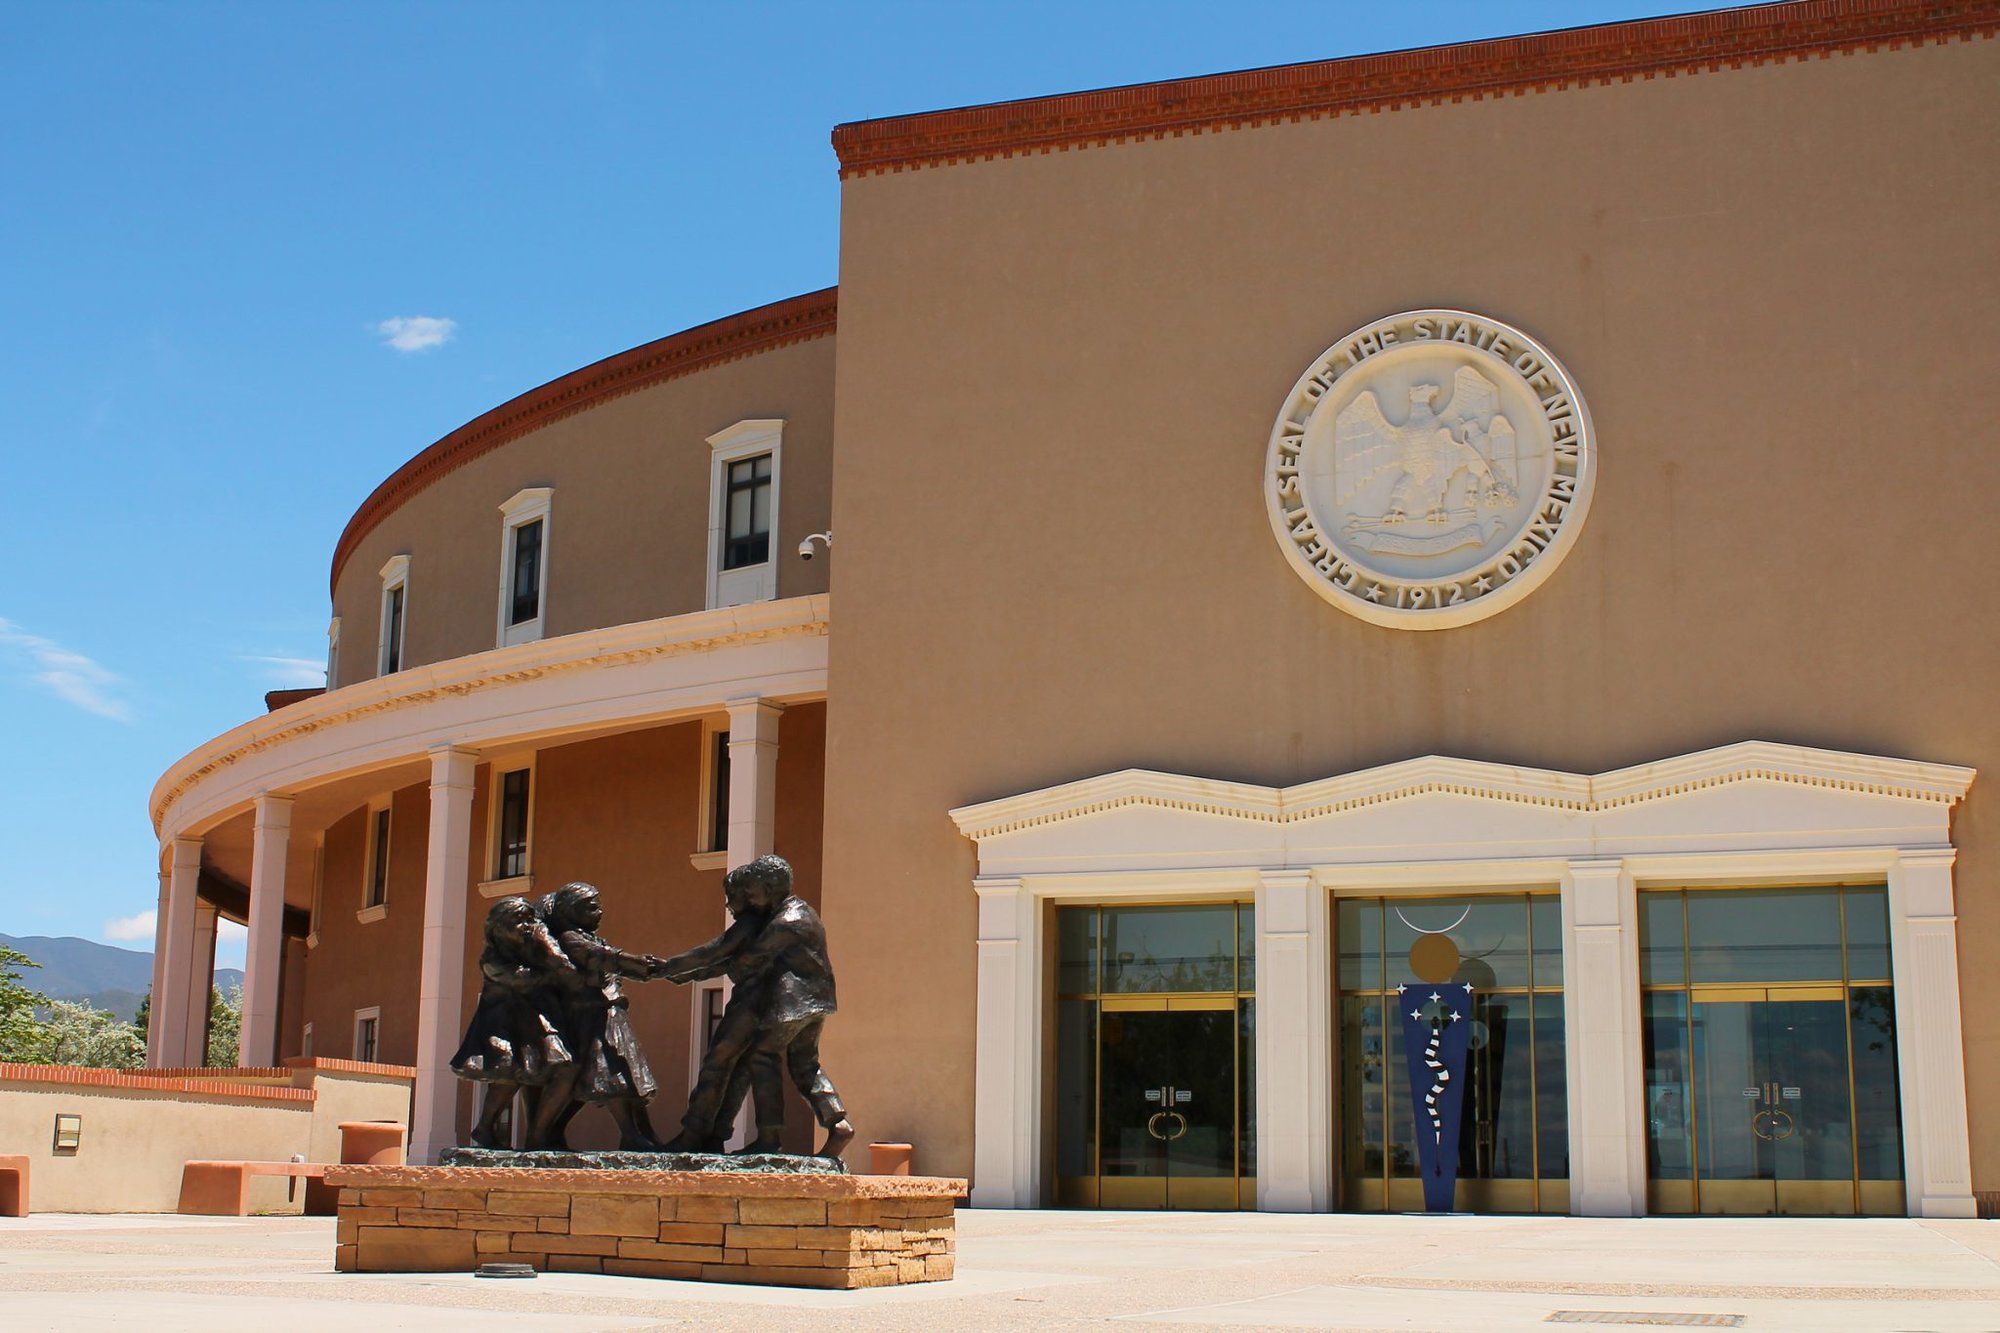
253 806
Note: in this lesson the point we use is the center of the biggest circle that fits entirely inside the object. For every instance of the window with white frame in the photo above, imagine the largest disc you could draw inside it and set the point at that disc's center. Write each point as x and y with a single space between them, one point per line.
510 827
318 895
395 613
306 1041
524 565
368 1033
375 864
745 465
712 815
333 653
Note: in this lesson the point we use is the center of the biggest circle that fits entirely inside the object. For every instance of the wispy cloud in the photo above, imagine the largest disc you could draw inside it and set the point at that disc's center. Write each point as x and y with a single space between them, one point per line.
416 333
230 943
68 675
290 673
138 926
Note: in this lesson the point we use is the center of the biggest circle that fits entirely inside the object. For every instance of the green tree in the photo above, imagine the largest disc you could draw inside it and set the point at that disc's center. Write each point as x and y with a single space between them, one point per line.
225 1026
143 1019
77 1034
22 1039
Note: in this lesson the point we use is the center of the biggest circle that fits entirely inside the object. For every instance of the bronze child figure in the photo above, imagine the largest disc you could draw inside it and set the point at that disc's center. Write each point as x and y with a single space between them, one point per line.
610 1070
514 1041
776 954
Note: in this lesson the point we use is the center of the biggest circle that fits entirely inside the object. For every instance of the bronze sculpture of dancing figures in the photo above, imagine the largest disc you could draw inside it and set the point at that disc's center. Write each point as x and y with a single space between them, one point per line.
609 1068
775 954
514 1042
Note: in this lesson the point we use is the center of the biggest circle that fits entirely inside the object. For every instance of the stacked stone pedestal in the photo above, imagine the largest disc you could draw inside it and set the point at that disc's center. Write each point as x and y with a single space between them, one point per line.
833 1231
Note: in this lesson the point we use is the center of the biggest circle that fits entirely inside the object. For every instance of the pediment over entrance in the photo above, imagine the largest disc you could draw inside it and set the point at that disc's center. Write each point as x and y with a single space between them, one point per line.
1743 797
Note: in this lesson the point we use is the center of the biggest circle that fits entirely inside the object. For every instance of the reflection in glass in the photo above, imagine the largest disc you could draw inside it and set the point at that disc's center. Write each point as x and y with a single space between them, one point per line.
1867 933
1764 935
1662 939
1181 949
1358 935
1246 1088
1076 1087
1878 1109
1669 1104
1551 1099
1076 951
1364 1093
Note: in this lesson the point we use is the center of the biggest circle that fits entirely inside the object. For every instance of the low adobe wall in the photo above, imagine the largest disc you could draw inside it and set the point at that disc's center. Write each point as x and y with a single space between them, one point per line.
141 1127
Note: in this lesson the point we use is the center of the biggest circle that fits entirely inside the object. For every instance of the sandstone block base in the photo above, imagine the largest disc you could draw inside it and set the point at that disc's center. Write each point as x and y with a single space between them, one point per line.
795 1231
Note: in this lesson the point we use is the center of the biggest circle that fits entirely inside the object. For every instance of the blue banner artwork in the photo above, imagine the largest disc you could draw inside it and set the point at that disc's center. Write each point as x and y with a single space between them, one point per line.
1437 1026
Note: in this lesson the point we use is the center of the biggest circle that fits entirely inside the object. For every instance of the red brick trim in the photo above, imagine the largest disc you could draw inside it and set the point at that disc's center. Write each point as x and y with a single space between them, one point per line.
779 324
333 1066
78 1077
1469 71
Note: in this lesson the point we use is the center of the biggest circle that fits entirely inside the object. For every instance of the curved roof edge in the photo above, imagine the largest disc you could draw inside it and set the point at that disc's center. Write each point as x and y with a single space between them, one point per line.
795 319
1537 62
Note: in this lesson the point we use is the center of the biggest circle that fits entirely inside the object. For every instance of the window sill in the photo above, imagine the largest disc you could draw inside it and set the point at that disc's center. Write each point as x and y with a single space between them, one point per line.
376 913
514 886
709 860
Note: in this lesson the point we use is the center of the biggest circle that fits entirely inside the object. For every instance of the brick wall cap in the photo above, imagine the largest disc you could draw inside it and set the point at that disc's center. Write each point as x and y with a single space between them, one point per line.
201 1088
1392 80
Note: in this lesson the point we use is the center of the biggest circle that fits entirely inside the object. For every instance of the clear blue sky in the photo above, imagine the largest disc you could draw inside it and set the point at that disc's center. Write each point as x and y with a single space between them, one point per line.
209 213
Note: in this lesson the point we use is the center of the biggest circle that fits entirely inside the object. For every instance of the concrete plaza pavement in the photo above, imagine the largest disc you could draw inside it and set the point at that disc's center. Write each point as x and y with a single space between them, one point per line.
1068 1269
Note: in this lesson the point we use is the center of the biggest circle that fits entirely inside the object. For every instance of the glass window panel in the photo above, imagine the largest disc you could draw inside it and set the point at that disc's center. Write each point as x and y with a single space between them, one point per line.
1076 951
1358 932
1551 1096
1497 1125
760 509
1246 947
1246 1086
1364 1107
1076 1087
1492 937
1169 948
1669 1110
739 514
1662 939
1878 1109
1867 933
1764 935
1399 1125
1545 909
760 467
513 852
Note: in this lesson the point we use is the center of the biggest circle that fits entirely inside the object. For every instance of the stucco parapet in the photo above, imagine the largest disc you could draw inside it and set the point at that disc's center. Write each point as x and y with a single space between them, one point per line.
762 329
1746 761
594 650
1427 76
122 1080
754 1185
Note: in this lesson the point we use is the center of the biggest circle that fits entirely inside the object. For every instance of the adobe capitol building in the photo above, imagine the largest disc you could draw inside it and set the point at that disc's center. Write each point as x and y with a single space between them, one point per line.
1536 494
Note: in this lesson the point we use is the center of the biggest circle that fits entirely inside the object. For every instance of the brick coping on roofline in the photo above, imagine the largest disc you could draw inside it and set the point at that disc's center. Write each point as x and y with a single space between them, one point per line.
1538 62
292 1064
142 1081
795 319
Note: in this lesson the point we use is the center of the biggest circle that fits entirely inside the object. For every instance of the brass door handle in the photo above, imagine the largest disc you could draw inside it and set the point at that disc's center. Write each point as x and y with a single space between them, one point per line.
1773 1125
1153 1125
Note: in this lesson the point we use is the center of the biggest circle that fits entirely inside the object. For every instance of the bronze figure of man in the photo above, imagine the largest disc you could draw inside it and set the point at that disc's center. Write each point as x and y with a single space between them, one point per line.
775 953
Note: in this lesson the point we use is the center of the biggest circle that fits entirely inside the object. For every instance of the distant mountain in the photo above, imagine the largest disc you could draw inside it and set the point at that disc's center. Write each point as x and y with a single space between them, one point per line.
104 976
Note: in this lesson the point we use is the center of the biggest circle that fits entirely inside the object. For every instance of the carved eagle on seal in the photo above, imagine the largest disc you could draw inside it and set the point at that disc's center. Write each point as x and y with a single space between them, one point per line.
1429 451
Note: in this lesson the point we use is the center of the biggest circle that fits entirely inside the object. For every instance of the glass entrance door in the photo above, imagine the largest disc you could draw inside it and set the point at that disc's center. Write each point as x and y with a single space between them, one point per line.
1776 1132
1167 1114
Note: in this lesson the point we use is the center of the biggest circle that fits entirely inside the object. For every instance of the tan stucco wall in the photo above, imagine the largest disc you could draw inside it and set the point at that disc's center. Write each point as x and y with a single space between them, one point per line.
1058 374
628 524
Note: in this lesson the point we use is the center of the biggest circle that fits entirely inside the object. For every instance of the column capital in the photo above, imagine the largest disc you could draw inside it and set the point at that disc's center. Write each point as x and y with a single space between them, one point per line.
1597 867
753 719
996 885
1926 858
273 811
452 765
1284 877
187 854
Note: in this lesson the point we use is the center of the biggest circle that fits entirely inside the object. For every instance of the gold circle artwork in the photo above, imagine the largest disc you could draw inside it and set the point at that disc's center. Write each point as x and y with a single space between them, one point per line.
1434 958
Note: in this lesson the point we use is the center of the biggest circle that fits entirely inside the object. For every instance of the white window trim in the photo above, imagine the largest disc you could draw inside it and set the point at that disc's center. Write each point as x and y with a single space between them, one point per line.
395 574
373 1011
493 885
524 508
369 852
708 856
698 993
333 646
745 439
306 1040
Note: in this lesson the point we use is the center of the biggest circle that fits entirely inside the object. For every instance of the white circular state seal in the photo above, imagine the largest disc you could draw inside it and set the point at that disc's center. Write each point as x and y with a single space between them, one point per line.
1430 470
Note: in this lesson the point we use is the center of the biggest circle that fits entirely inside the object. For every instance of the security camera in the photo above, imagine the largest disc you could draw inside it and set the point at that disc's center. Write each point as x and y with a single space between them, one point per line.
806 546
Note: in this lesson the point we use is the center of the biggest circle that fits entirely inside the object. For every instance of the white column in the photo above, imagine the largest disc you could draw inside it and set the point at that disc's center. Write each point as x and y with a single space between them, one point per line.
201 980
174 937
1005 1102
1930 1041
1607 1128
753 778
441 989
271 835
157 990
1294 1111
